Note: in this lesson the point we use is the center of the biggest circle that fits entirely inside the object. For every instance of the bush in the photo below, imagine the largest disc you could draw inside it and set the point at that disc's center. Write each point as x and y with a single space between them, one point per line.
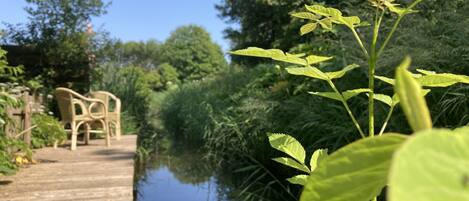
48 131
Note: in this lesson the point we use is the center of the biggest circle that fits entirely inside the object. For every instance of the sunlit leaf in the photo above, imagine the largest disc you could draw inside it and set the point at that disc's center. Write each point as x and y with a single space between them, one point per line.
274 54
356 172
305 15
398 10
346 94
317 157
341 73
298 179
288 145
352 21
384 99
308 71
431 166
326 23
462 130
331 95
411 98
308 28
441 80
314 59
386 79
352 93
292 163
323 11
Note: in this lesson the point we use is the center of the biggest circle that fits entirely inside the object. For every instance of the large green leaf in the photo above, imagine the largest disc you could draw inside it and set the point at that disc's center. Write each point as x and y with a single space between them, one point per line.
323 11
308 71
341 73
317 157
398 10
386 79
274 54
314 59
384 99
298 179
354 92
431 166
292 163
308 28
306 15
411 98
356 172
432 79
331 95
346 94
463 130
288 145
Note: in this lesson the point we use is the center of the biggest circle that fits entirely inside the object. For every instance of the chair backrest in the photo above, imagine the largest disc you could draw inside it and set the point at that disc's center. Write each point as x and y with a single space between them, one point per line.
65 101
108 98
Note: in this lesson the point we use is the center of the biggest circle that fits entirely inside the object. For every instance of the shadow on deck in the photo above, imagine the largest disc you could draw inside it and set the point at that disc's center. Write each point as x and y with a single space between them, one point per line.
92 172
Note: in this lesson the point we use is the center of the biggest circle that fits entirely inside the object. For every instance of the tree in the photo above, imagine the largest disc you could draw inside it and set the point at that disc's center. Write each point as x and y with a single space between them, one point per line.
268 24
191 51
60 30
145 54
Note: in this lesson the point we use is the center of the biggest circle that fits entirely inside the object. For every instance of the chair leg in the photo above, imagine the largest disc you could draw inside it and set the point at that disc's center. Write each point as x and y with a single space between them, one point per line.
87 133
74 136
107 131
118 129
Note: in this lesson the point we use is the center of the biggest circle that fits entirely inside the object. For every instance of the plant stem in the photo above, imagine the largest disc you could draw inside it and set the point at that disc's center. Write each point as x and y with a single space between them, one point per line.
349 112
357 37
388 117
371 73
388 38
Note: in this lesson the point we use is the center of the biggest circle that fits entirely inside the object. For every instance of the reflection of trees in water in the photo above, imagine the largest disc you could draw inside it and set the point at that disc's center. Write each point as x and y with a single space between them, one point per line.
248 180
187 165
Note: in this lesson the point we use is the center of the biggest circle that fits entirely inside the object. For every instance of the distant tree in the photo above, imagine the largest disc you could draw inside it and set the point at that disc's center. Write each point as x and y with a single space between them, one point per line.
267 23
193 53
169 75
145 54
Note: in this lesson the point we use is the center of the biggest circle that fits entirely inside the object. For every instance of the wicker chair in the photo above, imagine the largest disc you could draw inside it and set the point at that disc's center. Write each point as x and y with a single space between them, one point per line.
88 111
113 104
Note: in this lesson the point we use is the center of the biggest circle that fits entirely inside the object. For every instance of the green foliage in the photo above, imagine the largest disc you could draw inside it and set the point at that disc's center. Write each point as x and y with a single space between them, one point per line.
369 169
146 54
420 167
191 51
412 99
59 31
355 172
8 145
133 85
48 131
169 75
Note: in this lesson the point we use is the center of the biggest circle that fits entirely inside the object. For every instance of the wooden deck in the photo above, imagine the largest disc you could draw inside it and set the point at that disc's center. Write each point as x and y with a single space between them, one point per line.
92 172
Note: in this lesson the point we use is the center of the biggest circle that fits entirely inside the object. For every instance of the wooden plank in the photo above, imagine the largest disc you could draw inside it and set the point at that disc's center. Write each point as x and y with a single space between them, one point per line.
92 172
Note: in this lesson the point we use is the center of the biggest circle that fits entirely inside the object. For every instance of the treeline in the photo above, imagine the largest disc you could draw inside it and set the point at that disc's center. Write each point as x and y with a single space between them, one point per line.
230 114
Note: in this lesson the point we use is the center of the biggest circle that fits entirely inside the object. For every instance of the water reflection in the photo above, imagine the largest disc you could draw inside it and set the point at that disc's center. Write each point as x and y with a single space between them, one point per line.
163 185
177 175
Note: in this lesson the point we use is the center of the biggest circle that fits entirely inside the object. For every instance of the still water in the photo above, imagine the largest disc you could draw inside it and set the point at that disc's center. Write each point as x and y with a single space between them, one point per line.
182 174
162 185
177 175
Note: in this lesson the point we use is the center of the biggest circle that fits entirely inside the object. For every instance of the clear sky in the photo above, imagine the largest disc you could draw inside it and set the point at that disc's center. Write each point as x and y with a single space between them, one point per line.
142 19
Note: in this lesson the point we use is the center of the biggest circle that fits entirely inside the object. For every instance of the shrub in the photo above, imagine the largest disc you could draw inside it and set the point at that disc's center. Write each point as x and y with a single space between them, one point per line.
48 131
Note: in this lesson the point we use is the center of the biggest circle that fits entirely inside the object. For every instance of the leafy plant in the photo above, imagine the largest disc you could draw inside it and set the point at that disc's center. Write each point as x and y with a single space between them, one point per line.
8 144
365 162
48 131
293 148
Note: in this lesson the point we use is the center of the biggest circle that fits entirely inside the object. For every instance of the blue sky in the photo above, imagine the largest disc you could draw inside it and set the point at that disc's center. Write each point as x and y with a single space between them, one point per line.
142 19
